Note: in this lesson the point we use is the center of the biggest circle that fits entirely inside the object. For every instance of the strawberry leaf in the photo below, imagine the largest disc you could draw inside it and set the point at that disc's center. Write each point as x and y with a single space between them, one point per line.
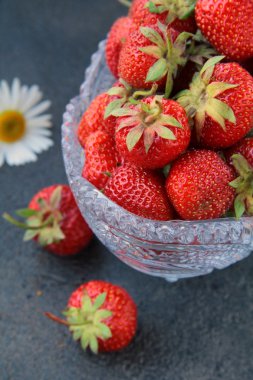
124 112
128 122
157 71
216 88
164 132
211 62
239 206
153 51
149 135
223 110
153 36
99 301
116 91
112 107
170 120
133 137
216 116
26 212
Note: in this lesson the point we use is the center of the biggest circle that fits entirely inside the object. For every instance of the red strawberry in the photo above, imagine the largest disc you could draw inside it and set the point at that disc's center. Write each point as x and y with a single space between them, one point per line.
198 185
240 156
116 38
152 133
153 55
140 192
101 315
101 158
54 220
146 13
243 184
228 26
93 119
220 102
244 147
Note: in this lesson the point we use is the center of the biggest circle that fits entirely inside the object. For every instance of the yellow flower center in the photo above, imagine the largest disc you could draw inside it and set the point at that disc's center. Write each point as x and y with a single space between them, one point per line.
12 126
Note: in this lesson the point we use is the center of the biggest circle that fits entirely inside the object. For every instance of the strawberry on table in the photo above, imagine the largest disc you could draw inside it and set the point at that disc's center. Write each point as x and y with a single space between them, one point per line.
153 55
219 102
101 158
198 185
153 132
102 316
53 219
228 26
116 38
177 13
139 191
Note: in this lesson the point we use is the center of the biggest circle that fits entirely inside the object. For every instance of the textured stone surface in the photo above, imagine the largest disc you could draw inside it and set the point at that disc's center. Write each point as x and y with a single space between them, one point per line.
198 329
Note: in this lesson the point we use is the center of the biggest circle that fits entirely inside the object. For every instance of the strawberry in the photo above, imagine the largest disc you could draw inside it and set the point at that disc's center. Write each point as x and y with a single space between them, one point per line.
177 13
101 158
244 147
93 119
153 55
198 185
198 53
240 156
101 315
152 133
243 184
228 26
219 102
139 191
54 220
116 38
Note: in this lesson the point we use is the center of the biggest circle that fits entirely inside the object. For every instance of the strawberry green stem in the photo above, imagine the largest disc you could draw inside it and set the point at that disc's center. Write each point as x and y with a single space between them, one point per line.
56 319
169 85
142 93
25 226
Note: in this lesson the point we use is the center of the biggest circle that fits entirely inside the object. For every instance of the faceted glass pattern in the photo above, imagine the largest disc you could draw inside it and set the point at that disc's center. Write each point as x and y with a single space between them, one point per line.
174 249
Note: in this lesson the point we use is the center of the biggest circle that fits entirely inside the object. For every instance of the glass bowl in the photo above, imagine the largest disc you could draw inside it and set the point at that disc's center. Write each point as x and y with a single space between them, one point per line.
174 249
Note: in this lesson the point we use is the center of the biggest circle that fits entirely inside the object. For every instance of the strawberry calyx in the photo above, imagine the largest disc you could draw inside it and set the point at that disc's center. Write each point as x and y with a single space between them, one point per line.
87 323
243 186
200 50
200 99
122 93
42 224
147 120
170 52
127 96
181 9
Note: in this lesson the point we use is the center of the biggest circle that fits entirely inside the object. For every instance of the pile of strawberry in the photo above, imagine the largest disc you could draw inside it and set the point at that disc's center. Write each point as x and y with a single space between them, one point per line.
170 139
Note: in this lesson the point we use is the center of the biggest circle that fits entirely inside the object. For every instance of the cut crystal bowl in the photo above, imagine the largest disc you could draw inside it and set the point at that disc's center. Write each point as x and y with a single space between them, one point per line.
173 249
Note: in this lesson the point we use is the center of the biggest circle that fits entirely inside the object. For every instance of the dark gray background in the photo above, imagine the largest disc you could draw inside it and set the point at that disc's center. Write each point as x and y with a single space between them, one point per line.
198 329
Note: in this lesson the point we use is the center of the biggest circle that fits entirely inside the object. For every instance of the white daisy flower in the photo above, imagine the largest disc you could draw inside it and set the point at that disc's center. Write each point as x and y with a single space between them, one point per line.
23 129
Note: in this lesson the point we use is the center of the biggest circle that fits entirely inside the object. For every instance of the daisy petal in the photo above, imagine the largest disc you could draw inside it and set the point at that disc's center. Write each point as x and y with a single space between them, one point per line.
40 121
15 93
40 132
5 94
38 144
34 95
43 106
18 154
